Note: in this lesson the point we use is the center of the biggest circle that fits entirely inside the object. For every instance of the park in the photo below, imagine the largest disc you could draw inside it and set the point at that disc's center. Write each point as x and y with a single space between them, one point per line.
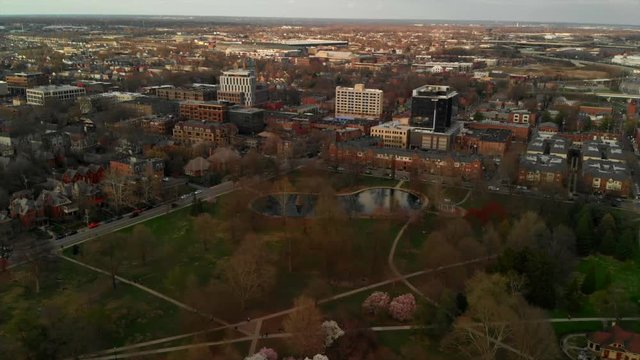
229 276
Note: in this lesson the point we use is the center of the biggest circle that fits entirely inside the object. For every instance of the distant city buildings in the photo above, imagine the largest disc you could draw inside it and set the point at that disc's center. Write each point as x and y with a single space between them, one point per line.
45 95
193 132
210 111
358 102
196 94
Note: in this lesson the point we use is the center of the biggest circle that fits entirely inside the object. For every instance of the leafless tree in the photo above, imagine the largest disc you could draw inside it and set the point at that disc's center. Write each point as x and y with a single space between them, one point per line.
248 273
305 326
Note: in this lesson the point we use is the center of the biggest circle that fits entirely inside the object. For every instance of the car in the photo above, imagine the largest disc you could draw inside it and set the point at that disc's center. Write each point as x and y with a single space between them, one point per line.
174 205
198 192
135 213
60 236
166 179
93 225
493 188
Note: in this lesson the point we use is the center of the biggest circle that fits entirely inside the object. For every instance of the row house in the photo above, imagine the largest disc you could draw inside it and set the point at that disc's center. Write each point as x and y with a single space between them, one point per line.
542 170
519 132
606 178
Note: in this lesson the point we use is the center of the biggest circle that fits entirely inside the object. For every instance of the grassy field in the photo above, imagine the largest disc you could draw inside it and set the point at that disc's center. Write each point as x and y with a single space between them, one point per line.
74 302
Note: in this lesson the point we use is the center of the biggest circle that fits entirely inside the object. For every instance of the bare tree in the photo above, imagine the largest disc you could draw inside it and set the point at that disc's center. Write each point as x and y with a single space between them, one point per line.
248 273
305 326
532 335
118 189
479 332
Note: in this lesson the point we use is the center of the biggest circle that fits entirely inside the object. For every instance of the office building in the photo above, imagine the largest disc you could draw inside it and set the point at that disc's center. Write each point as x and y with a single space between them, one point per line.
247 120
392 134
210 111
18 83
358 102
432 107
44 95
235 82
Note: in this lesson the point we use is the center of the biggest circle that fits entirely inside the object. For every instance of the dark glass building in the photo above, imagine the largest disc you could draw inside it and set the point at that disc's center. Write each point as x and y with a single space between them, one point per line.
432 107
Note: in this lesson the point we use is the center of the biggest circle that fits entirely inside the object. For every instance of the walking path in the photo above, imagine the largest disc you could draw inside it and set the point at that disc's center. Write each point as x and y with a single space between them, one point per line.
256 335
400 183
147 290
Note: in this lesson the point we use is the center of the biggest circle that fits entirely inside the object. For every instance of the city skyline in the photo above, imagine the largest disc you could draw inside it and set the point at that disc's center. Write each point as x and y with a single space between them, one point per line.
571 11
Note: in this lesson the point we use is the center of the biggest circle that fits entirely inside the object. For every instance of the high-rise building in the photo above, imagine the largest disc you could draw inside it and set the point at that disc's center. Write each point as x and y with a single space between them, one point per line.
239 84
44 95
432 107
358 102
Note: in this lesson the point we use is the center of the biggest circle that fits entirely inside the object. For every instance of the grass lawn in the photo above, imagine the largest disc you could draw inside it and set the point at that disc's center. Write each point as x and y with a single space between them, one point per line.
86 301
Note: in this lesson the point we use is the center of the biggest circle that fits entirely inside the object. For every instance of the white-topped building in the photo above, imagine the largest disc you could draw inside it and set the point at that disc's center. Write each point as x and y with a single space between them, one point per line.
358 102
236 82
42 95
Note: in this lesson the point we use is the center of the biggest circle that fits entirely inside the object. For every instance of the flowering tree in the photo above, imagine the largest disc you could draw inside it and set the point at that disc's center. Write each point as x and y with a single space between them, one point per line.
332 331
256 356
402 307
268 353
376 303
318 357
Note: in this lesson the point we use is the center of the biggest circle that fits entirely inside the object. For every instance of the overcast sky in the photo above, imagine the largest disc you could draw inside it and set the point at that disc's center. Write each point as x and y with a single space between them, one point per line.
586 11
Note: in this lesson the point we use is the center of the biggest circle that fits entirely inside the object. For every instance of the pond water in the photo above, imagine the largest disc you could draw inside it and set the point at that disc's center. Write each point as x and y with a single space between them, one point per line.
375 201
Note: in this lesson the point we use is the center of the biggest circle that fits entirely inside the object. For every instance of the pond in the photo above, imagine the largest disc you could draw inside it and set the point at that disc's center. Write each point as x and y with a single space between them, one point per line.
373 201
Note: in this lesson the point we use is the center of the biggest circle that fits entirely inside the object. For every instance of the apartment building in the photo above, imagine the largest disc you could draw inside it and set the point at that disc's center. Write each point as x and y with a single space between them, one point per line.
358 102
137 167
210 111
44 95
432 107
193 132
239 82
196 94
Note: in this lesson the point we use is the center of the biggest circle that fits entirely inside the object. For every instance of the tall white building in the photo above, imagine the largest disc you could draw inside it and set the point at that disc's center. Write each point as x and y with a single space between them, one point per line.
43 95
358 102
238 84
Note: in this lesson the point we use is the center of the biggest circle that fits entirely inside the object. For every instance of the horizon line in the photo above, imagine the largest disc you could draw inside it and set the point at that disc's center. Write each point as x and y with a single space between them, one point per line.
537 22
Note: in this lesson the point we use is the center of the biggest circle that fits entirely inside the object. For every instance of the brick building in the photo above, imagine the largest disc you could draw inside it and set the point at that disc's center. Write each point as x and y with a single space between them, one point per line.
368 152
520 132
210 111
540 169
615 343
137 167
192 132
195 94
487 142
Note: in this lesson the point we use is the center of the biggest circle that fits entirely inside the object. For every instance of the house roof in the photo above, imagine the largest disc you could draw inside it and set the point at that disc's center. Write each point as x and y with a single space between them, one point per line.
617 335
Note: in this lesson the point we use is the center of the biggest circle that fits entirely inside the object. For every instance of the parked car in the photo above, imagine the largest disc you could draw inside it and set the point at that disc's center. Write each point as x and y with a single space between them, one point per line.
93 225
135 214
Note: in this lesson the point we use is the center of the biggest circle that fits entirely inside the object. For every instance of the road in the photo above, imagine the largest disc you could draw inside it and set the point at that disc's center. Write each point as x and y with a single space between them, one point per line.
87 234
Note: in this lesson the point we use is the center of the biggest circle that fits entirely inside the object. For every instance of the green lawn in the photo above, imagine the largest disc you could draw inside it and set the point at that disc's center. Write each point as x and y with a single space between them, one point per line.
81 307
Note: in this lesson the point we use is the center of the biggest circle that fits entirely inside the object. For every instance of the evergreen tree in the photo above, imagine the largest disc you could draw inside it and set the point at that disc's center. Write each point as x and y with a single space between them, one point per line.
608 243
572 295
584 233
626 246
588 286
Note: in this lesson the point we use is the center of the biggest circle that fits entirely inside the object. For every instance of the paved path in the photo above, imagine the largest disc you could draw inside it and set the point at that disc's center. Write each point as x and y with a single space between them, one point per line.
147 290
465 198
256 336
400 183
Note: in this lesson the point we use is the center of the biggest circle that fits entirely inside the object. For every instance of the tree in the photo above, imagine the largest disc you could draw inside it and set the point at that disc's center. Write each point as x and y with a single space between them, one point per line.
118 190
6 251
532 335
626 247
402 307
584 232
478 116
477 334
305 326
589 285
573 297
376 303
248 273
110 249
142 239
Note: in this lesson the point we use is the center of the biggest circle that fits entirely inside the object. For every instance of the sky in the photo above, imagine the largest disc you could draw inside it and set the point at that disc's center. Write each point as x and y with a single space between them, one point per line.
580 11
